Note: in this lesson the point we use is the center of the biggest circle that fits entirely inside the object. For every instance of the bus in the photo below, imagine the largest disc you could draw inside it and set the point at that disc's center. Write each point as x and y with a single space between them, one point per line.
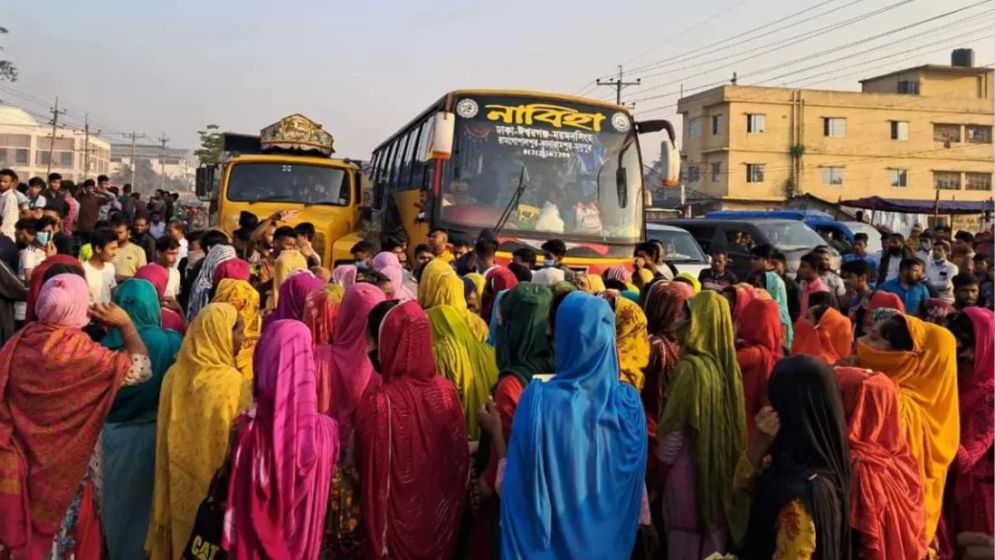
528 166
287 167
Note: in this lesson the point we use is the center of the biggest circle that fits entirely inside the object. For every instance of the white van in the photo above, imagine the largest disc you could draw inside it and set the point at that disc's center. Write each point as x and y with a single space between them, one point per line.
682 250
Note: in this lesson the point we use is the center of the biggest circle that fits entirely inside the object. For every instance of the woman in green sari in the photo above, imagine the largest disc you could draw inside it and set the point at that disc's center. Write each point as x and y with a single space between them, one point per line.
129 434
702 434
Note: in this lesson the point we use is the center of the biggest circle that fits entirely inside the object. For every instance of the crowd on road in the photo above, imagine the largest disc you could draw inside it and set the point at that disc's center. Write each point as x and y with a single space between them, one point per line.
170 394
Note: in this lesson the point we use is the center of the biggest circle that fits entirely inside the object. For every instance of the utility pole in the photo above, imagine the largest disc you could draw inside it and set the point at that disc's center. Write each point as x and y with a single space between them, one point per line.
86 145
618 84
55 125
134 136
162 161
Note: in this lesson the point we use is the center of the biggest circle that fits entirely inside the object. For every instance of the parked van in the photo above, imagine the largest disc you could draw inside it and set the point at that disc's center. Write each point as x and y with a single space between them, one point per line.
682 250
836 233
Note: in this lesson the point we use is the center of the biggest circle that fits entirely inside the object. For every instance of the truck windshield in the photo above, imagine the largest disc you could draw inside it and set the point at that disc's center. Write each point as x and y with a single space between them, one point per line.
564 155
294 183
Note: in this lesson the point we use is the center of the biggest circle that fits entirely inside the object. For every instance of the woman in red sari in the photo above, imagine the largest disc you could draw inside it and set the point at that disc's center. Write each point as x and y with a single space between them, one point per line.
57 388
412 449
758 347
57 264
823 333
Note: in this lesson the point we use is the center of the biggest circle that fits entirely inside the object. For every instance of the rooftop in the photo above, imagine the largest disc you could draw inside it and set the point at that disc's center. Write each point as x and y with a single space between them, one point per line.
11 115
963 70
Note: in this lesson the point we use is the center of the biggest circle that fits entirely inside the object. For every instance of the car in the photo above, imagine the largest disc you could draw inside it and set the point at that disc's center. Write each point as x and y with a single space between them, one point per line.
681 249
835 233
791 237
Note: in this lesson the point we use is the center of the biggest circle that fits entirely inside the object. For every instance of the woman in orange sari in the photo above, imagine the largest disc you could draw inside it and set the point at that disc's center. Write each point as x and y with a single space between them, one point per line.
758 347
823 333
921 358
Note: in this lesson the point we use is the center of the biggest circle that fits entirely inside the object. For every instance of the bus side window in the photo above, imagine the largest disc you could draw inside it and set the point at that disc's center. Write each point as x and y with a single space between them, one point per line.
408 162
420 168
395 165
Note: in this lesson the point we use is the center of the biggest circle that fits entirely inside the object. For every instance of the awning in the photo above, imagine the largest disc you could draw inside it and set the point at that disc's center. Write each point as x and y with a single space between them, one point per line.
920 206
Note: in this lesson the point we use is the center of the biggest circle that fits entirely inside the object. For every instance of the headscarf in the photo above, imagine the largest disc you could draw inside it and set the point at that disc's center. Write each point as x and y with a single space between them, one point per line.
287 263
758 349
592 284
810 461
632 340
139 300
706 398
441 286
830 341
200 293
64 264
690 279
201 396
886 499
343 367
745 293
284 457
245 299
521 341
777 291
293 295
479 283
935 310
927 383
236 269
618 273
345 275
389 265
412 450
158 275
498 280
665 305
320 309
576 462
56 389
881 300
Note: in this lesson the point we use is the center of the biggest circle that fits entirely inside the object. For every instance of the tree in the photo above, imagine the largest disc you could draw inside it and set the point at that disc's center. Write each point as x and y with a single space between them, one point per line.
8 71
211 144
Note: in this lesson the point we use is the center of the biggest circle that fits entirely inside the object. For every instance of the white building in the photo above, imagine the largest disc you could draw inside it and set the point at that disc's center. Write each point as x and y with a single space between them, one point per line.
26 145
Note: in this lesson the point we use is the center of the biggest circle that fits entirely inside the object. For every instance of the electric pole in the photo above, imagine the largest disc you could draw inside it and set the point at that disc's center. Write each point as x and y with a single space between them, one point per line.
134 136
618 84
162 161
55 125
86 145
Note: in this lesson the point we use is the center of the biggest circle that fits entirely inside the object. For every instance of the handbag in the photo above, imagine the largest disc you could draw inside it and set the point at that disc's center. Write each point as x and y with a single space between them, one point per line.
208 525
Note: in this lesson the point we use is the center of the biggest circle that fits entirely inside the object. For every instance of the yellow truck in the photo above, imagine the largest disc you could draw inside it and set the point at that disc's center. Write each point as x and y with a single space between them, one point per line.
288 166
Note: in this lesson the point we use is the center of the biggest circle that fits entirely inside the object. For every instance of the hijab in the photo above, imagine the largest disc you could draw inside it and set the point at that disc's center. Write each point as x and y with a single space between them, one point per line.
665 306
881 300
320 309
200 293
59 264
777 291
440 286
479 283
498 280
810 461
576 461
830 340
293 295
758 349
245 299
236 269
689 278
389 265
140 301
632 340
158 275
345 275
411 442
745 293
521 340
283 459
935 310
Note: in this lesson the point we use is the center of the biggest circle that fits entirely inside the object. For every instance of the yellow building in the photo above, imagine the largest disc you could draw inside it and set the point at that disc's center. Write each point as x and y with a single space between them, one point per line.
907 134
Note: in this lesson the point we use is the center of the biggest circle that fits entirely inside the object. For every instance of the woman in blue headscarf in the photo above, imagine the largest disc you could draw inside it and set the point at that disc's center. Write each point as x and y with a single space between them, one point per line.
129 434
774 285
573 482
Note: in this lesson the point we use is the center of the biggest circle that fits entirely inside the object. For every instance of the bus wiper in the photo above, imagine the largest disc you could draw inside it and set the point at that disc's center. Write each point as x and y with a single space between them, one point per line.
513 203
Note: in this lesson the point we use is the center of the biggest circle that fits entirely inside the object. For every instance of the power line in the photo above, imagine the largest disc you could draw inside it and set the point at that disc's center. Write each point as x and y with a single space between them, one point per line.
56 112
618 84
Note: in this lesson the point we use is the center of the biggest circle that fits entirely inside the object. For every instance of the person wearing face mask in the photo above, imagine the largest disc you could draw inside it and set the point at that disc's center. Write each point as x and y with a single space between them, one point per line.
362 252
925 251
940 271
891 257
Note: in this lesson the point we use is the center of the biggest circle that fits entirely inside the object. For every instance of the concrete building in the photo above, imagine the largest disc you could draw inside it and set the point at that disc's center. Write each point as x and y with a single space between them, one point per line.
25 146
175 163
907 134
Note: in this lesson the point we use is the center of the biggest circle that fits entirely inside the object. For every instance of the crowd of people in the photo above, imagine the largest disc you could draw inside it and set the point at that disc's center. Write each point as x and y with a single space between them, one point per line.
170 394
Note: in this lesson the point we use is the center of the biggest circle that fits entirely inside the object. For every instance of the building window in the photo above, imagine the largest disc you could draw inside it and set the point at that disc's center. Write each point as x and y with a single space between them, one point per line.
754 173
946 133
978 181
65 159
42 158
978 134
899 130
832 176
908 87
716 172
834 126
946 180
694 174
899 177
694 128
716 124
21 157
756 124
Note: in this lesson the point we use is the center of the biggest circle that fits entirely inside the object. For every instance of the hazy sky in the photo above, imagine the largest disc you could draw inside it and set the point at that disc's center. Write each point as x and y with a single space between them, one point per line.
365 68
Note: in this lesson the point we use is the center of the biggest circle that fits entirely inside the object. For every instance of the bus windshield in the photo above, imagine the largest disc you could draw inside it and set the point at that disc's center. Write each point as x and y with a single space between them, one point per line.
563 158
284 182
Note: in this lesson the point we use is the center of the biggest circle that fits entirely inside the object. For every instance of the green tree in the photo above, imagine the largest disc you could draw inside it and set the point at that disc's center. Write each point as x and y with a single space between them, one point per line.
211 144
8 71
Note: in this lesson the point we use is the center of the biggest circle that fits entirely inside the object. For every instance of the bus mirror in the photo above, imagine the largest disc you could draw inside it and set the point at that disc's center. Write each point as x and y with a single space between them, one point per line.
622 186
670 164
647 198
205 181
440 142
656 125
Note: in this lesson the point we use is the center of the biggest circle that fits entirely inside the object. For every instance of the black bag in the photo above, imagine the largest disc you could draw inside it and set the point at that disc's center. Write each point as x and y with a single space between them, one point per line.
205 539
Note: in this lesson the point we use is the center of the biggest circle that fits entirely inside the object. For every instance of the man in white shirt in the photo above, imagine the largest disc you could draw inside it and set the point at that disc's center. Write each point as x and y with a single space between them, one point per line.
9 206
99 269
176 230
940 272
167 254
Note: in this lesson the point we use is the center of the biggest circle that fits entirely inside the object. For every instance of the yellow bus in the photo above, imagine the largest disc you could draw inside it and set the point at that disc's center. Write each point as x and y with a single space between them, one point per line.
529 166
287 167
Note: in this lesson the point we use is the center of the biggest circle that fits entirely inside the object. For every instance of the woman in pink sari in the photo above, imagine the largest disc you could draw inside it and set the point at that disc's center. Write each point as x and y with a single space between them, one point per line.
389 265
293 295
284 457
345 275
158 275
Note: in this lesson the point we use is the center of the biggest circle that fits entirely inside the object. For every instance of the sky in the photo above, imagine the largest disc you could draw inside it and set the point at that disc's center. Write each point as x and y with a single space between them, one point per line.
363 69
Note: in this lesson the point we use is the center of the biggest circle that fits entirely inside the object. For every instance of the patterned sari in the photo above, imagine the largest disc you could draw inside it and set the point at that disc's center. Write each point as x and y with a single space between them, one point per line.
245 299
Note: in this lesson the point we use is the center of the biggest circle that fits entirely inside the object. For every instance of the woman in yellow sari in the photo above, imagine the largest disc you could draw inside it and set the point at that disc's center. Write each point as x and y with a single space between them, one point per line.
921 358
287 263
201 395
479 283
461 354
631 338
245 299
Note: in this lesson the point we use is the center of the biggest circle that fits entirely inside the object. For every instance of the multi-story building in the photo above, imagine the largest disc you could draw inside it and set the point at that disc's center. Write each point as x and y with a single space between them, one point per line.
26 146
175 163
907 134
